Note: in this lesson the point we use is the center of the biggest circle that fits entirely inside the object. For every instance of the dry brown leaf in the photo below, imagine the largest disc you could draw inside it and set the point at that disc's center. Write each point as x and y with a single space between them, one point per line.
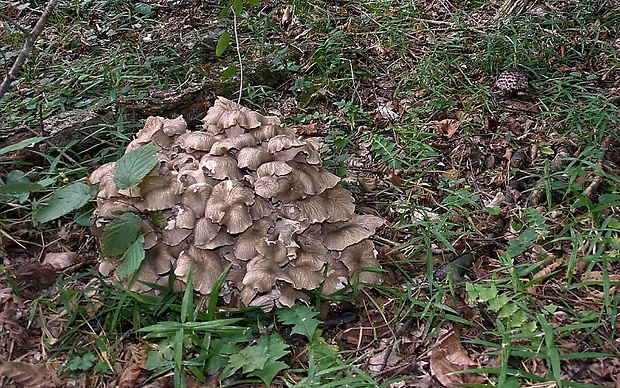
449 356
59 260
304 129
131 374
448 127
542 273
597 276
36 275
387 111
30 375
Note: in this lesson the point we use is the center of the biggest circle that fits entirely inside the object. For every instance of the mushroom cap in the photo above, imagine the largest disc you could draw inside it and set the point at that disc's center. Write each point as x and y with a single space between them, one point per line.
229 204
339 235
513 80
245 192
225 114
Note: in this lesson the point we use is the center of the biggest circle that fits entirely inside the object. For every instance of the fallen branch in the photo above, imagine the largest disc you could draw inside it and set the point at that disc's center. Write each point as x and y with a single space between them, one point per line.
31 37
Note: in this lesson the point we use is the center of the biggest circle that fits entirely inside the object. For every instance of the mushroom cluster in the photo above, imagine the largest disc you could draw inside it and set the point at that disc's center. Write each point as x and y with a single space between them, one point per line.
244 192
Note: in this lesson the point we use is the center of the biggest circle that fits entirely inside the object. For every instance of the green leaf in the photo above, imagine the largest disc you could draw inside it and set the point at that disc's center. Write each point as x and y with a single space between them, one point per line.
63 201
222 43
120 234
132 258
229 72
521 243
275 347
248 359
260 360
82 363
134 166
499 302
19 188
269 371
21 145
237 7
303 319
18 183
255 3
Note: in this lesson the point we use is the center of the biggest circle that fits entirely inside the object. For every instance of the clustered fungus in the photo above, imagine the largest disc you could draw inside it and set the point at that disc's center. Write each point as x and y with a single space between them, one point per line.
245 192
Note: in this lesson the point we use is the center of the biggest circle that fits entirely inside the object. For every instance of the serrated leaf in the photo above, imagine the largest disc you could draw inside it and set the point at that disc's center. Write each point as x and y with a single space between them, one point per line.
21 145
269 371
248 359
222 43
134 166
274 346
119 234
260 360
303 319
63 201
132 258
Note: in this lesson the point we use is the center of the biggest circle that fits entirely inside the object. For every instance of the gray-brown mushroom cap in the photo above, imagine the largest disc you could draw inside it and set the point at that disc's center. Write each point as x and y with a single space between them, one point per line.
207 267
248 193
229 204
339 235
361 257
225 114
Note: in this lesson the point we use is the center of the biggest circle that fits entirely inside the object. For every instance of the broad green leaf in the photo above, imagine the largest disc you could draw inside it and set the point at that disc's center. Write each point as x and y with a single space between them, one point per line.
120 234
229 72
132 258
303 319
219 352
18 183
21 145
260 360
82 363
134 166
19 188
237 7
255 3
222 43
63 201
508 310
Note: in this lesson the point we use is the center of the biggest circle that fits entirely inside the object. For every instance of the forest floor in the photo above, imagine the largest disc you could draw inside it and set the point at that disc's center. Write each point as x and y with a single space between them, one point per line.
501 247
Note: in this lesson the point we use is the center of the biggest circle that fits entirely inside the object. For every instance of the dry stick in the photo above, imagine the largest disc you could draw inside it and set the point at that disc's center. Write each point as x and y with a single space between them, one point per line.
238 55
11 75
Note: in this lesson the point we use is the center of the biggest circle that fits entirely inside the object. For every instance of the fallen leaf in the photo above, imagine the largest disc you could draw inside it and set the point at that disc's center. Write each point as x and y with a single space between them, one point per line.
449 356
304 129
36 276
30 375
59 260
448 127
387 112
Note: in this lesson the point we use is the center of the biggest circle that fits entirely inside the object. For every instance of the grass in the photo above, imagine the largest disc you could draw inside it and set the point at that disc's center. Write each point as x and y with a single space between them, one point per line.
541 297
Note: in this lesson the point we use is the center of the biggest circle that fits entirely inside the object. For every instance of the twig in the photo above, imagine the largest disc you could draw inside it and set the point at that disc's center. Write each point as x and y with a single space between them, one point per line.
11 75
238 56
